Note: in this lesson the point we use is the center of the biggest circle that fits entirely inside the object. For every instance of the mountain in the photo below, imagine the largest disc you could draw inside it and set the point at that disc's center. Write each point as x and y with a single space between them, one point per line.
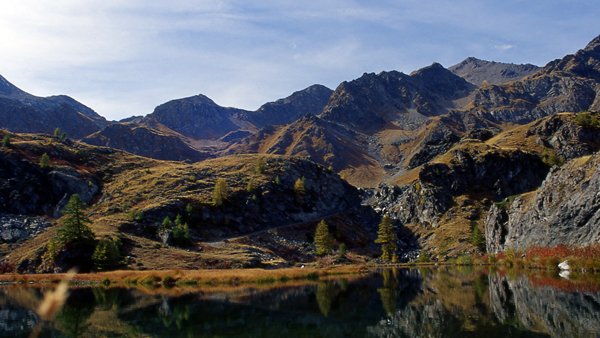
317 140
393 99
25 113
310 100
478 71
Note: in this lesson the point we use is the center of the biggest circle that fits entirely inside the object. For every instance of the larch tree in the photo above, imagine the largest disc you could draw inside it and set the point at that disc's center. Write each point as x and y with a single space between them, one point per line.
323 239
75 229
387 237
220 192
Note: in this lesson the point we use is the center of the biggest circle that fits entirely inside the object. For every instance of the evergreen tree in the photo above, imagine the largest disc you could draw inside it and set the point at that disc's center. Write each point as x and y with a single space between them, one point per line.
63 136
323 239
476 238
277 180
56 133
188 212
342 251
6 140
45 161
220 192
106 255
387 237
300 186
167 223
75 229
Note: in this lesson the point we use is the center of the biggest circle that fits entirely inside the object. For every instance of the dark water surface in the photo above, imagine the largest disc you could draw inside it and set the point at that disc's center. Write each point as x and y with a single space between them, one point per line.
444 302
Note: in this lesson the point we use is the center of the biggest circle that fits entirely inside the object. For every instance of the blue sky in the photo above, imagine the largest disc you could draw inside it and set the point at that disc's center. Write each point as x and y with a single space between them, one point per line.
123 58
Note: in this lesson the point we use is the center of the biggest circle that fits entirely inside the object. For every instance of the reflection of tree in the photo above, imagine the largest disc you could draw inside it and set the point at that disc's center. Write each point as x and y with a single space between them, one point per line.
108 297
72 318
389 291
178 312
325 296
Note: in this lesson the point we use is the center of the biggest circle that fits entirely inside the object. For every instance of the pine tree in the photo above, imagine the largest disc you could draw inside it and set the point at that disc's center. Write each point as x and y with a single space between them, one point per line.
75 229
277 180
220 192
387 237
323 239
45 161
167 223
250 186
56 133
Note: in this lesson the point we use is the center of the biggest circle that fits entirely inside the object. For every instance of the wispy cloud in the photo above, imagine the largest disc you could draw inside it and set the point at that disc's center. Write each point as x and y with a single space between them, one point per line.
125 57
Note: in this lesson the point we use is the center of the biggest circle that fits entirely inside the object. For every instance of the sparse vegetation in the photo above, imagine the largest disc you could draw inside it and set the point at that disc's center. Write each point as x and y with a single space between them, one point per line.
587 119
260 166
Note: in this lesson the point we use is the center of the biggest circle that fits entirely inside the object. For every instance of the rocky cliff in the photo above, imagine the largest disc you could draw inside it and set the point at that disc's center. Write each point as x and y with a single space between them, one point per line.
564 210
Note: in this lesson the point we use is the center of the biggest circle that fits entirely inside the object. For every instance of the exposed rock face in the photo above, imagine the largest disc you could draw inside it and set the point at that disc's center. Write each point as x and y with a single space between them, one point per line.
477 71
562 314
14 228
564 210
145 141
476 167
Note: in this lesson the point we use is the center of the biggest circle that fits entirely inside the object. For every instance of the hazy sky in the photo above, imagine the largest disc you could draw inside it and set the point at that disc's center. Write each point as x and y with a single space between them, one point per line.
123 58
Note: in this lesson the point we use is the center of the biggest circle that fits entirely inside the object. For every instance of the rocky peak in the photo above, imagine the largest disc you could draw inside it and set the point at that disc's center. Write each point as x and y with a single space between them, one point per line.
594 45
9 90
477 71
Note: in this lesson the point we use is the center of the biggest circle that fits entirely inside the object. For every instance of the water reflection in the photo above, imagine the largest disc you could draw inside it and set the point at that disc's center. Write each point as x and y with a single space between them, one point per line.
444 302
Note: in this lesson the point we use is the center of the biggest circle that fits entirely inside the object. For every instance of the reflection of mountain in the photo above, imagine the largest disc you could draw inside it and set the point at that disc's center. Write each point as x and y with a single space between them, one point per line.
562 314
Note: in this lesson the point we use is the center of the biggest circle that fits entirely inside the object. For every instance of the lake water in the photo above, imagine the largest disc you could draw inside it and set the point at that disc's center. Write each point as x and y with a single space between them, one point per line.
443 302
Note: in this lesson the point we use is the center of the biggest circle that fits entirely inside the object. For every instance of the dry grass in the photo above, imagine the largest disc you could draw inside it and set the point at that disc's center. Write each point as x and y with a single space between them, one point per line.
195 277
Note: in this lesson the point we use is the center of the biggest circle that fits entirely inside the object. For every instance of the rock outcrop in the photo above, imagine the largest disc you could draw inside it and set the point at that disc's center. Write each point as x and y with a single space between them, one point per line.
564 210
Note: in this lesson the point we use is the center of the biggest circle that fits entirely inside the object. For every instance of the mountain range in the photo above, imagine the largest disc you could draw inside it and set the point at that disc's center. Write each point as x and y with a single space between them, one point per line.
435 149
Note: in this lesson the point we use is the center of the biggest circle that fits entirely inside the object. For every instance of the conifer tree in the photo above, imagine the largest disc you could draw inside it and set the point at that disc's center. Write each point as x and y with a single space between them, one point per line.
56 133
277 180
300 187
106 255
220 192
45 161
387 237
250 186
75 229
323 239
6 140
260 166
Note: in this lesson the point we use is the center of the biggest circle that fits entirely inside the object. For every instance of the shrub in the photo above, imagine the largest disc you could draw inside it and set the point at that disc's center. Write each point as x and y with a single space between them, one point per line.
586 119
423 257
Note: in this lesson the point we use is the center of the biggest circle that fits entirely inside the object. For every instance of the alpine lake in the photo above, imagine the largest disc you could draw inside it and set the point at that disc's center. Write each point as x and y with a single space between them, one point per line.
450 301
